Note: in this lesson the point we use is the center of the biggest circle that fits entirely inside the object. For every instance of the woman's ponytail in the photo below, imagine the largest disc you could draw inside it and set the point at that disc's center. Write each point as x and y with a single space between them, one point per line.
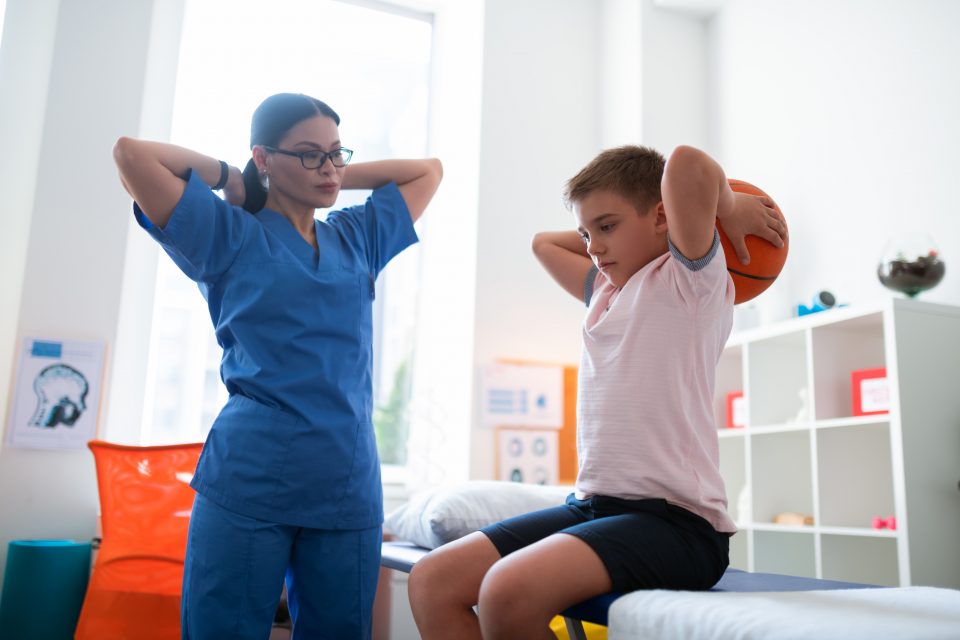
256 195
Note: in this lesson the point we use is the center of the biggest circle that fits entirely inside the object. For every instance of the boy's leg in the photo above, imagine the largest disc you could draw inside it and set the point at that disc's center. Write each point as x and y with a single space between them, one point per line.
444 586
233 574
524 591
332 581
651 546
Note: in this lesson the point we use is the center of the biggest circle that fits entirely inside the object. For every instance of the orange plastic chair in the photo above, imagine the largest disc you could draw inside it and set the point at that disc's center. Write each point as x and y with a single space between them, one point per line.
145 503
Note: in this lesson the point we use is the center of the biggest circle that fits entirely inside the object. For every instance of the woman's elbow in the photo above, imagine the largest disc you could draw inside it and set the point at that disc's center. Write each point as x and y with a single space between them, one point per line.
435 169
123 151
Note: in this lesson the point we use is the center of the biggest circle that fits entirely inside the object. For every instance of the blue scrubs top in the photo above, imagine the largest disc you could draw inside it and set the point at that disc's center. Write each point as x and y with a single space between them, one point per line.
295 442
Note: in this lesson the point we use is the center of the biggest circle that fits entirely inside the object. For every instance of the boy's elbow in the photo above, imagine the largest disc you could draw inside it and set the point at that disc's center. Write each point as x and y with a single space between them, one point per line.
538 243
687 157
688 165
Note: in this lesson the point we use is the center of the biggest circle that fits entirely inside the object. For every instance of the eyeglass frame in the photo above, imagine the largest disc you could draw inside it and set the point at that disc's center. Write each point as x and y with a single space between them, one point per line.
324 156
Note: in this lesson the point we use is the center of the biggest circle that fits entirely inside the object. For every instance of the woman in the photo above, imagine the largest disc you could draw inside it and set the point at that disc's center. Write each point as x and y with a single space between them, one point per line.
288 482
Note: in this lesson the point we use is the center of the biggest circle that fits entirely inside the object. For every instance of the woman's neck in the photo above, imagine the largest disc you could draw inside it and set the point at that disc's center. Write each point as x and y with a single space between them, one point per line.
300 216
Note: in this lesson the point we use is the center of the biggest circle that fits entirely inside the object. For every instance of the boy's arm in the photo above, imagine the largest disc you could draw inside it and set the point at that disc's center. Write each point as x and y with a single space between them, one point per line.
564 255
696 194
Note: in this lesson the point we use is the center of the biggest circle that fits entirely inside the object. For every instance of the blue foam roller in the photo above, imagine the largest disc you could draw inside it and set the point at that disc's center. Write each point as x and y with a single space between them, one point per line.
43 588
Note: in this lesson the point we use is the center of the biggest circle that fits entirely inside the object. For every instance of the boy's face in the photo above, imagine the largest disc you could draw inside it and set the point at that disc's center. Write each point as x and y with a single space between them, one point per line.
620 239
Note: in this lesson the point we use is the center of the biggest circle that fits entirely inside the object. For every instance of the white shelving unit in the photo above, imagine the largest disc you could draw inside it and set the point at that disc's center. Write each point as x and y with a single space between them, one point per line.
804 451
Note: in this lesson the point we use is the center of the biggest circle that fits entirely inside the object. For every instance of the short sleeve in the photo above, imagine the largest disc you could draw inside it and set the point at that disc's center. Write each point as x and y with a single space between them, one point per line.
204 234
380 228
701 281
699 263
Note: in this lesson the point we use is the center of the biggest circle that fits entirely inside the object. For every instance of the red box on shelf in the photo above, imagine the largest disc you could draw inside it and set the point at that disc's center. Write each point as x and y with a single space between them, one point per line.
871 392
736 410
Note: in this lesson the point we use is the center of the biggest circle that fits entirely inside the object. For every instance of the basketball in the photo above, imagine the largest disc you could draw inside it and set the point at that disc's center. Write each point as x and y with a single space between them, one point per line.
766 260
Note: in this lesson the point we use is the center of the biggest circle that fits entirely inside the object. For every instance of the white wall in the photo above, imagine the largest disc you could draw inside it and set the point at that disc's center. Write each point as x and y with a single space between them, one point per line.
674 74
540 124
24 71
846 112
82 84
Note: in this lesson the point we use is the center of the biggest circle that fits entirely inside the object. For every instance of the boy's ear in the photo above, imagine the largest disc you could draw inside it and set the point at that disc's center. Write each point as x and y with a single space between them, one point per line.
660 225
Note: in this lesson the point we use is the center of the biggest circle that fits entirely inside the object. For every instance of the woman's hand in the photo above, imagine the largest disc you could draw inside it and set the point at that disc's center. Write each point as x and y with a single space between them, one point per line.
753 216
234 192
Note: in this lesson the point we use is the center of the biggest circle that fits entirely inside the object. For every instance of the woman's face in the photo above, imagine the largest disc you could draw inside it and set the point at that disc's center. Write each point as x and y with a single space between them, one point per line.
318 188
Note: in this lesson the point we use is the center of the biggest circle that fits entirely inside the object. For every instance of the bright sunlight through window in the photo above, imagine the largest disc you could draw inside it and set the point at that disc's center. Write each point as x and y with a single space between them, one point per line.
370 66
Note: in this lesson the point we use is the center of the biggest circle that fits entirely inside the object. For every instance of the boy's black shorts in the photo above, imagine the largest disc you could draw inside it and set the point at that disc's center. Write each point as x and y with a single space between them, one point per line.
644 544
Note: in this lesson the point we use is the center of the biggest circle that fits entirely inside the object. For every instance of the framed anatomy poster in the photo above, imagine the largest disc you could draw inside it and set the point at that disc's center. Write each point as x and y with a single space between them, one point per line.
56 400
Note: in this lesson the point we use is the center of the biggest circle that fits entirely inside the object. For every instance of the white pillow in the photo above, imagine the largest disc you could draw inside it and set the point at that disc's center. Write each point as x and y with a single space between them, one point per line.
435 517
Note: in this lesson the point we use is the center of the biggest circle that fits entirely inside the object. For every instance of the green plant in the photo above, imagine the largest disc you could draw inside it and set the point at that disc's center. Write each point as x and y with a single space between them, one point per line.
391 419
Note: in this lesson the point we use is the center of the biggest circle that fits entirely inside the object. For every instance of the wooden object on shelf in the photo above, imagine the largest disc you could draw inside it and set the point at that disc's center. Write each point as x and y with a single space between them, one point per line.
793 519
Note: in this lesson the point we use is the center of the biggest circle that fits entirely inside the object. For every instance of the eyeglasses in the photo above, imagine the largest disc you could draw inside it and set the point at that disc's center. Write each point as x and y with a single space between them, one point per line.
314 159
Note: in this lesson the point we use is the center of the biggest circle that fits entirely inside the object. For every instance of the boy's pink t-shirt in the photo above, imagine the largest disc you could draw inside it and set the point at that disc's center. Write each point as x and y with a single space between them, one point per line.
645 423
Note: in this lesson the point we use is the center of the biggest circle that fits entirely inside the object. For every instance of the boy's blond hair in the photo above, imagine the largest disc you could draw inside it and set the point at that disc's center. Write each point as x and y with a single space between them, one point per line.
630 171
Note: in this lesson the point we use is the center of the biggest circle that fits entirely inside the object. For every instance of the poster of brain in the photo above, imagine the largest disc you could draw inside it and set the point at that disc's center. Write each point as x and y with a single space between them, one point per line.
56 401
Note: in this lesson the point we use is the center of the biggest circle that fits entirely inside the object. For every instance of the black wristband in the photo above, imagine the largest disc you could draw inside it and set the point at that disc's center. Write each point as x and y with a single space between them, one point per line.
224 175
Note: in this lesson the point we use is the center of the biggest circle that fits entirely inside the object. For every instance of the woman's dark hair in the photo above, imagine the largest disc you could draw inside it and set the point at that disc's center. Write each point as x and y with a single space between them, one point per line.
271 121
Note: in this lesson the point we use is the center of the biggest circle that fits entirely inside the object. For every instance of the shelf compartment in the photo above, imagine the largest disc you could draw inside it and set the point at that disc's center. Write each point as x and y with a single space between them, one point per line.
733 469
778 398
739 551
855 475
781 475
729 379
870 560
791 553
838 350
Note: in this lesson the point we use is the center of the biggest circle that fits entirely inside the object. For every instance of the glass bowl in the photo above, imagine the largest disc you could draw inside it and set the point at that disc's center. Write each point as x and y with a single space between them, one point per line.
910 264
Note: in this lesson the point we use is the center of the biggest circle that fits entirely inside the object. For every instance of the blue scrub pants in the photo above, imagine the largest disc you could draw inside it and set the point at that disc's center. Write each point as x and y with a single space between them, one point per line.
235 567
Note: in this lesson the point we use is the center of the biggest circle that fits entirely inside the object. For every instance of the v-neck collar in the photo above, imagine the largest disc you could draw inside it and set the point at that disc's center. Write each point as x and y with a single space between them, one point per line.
323 259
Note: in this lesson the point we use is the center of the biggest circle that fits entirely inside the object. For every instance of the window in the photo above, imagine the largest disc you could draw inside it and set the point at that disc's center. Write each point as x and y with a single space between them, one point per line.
3 13
373 67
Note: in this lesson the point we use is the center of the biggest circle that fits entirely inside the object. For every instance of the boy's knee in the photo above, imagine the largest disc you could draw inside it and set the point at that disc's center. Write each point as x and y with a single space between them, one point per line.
419 581
501 595
431 581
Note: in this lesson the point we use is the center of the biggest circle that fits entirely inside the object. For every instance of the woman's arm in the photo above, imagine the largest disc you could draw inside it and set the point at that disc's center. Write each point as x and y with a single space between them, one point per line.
154 173
564 256
417 179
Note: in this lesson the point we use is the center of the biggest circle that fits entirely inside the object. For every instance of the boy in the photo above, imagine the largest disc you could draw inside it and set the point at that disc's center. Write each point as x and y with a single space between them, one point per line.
650 507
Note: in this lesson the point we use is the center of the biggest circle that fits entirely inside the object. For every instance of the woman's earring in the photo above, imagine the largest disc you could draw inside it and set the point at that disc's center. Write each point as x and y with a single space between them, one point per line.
265 180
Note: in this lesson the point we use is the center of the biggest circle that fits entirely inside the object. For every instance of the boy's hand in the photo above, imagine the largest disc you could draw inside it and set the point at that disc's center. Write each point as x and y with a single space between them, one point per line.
753 216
